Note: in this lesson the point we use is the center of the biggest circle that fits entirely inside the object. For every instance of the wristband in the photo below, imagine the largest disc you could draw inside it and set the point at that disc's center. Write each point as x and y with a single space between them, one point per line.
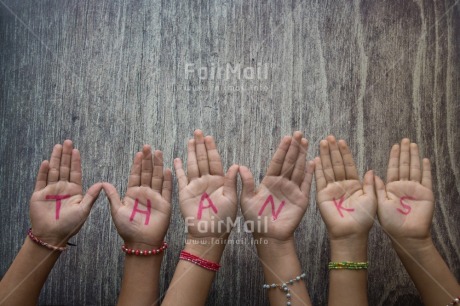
350 265
129 251
206 264
284 286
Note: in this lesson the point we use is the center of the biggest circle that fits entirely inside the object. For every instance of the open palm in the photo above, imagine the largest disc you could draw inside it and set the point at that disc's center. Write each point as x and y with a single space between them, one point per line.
144 213
207 198
276 208
347 207
406 203
58 208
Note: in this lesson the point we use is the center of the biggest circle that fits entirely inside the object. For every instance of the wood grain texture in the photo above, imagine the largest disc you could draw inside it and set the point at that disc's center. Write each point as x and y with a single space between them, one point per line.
111 76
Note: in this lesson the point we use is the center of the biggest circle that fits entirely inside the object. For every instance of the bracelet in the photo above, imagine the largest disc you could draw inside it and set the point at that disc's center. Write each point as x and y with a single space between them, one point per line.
284 286
455 301
129 251
209 265
350 265
43 243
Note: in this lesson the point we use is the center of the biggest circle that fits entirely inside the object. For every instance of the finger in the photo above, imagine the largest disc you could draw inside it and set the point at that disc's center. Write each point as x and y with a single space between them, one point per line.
393 165
55 162
180 174
276 164
426 177
321 182
192 164
298 174
247 181
326 161
91 196
336 157
147 166
368 183
415 172
291 155
351 173
404 160
113 196
380 190
167 186
201 154
215 164
134 179
230 181
306 183
42 176
64 169
157 176
75 167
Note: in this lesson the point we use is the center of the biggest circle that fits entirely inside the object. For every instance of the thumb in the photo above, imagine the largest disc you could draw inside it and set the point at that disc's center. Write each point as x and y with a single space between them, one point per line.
368 183
91 196
247 183
380 189
113 196
230 181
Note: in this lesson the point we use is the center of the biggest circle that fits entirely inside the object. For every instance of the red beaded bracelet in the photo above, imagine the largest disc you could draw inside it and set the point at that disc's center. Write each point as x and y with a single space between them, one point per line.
209 265
43 243
129 251
455 301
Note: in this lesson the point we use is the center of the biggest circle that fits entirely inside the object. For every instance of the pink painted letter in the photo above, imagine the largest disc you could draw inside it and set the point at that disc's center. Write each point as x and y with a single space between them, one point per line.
201 206
272 204
145 212
339 206
58 198
406 207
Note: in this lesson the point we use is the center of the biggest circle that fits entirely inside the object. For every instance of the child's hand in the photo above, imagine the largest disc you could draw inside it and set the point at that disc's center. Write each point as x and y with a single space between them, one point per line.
347 207
58 208
142 218
406 203
276 208
207 198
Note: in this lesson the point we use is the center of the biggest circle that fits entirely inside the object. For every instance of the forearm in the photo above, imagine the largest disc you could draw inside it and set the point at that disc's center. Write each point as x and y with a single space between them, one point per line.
342 282
430 274
191 283
281 264
141 278
24 280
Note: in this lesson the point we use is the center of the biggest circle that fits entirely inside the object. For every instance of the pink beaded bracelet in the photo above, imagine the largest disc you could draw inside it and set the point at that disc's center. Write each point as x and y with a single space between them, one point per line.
43 243
129 251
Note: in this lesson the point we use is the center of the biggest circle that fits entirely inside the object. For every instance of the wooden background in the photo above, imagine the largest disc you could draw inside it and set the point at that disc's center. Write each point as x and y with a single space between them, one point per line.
110 75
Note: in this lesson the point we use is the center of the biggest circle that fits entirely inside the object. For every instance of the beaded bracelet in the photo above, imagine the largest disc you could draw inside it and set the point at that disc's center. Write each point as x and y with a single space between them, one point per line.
455 301
129 251
350 265
284 286
209 265
43 243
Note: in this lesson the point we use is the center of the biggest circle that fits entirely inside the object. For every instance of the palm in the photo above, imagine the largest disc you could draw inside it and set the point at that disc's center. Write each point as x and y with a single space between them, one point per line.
281 189
347 206
406 203
346 209
414 219
207 197
276 208
58 208
143 214
190 198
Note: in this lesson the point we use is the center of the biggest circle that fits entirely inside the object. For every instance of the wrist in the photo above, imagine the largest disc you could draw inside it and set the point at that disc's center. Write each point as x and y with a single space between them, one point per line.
412 246
349 249
208 248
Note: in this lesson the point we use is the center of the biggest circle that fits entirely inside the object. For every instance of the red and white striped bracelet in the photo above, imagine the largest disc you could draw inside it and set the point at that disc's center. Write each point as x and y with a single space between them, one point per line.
43 243
206 264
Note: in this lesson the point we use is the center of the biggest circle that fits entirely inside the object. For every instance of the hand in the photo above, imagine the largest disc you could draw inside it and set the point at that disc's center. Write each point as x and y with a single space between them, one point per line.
207 198
406 203
58 208
347 207
277 206
142 218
